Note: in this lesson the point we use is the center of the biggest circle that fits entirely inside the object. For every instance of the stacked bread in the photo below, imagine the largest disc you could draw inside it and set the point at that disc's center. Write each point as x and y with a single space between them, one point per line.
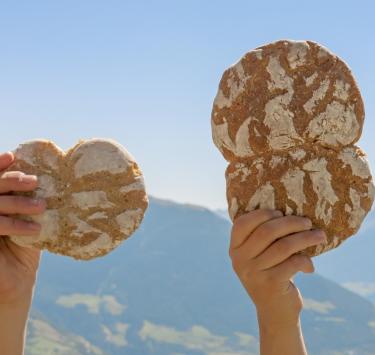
287 117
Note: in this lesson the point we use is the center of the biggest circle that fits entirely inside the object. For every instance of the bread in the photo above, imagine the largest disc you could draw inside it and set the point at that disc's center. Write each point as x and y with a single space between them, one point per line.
334 190
284 95
95 196
286 117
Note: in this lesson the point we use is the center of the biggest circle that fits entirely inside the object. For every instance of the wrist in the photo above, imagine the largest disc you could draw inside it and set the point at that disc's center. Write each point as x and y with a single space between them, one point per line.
17 311
20 304
281 338
16 298
278 322
13 321
274 327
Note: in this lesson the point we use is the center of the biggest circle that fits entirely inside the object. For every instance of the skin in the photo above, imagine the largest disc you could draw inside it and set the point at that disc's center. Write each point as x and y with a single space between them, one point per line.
263 250
18 265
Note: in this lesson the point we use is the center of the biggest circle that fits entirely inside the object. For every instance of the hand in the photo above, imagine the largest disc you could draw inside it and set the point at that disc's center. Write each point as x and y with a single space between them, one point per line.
263 250
18 265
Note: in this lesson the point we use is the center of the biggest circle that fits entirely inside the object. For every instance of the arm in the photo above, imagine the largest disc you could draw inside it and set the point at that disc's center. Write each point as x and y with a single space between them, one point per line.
13 319
263 250
281 340
18 265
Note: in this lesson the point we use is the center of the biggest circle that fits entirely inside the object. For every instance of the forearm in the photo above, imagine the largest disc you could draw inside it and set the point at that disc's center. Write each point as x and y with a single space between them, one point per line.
281 340
13 320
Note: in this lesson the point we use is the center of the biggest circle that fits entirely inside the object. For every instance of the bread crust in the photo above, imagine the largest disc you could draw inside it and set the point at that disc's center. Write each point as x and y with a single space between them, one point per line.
286 118
95 195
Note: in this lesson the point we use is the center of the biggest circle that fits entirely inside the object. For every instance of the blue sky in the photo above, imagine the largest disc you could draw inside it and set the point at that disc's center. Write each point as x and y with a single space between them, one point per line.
145 73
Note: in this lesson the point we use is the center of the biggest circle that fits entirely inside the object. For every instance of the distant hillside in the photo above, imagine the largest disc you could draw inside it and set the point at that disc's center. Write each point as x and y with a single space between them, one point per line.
170 289
223 213
353 263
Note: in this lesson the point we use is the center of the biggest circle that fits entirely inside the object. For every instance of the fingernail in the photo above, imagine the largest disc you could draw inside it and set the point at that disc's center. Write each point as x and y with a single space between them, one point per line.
29 179
321 235
7 155
34 226
308 222
37 202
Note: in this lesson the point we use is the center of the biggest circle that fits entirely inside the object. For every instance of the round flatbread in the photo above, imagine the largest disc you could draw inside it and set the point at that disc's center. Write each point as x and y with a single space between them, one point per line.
283 95
334 190
95 195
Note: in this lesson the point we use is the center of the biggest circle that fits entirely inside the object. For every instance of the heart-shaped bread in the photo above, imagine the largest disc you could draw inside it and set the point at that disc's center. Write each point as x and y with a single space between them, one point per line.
95 196
286 117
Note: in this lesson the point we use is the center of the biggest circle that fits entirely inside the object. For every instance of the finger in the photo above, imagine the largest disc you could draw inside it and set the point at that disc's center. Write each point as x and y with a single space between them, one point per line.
285 247
269 232
246 224
17 181
21 205
288 268
13 226
6 159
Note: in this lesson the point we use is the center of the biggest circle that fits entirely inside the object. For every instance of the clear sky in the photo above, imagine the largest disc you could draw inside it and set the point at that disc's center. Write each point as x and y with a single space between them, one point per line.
145 73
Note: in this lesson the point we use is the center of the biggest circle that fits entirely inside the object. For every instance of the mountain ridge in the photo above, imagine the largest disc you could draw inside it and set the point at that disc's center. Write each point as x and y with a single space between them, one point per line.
170 289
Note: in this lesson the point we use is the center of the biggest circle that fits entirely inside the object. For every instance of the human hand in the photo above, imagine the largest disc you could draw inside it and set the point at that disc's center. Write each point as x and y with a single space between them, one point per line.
18 265
263 250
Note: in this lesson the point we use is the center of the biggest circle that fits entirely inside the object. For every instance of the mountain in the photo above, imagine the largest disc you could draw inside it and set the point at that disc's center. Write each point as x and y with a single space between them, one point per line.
223 213
170 289
353 263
